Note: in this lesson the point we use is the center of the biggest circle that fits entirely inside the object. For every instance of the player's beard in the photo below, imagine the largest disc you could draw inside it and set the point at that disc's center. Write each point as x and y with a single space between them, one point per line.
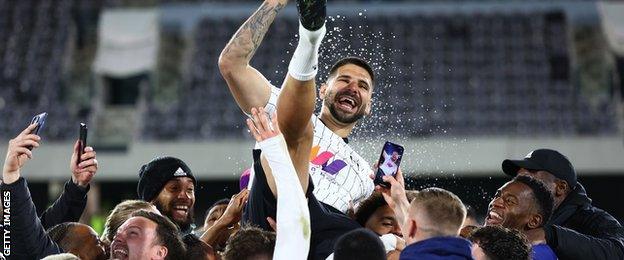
167 210
338 114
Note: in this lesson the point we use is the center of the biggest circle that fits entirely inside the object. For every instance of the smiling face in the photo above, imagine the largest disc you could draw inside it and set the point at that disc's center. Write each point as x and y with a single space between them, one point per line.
176 201
512 207
137 239
395 156
347 95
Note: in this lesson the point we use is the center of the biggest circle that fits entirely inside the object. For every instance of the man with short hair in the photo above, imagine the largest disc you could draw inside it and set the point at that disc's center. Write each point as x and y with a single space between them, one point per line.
526 205
147 235
120 214
432 226
496 242
319 144
316 146
577 229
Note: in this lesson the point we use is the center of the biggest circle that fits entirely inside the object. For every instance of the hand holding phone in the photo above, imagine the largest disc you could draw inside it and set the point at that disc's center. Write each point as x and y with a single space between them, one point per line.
83 164
388 163
82 140
40 121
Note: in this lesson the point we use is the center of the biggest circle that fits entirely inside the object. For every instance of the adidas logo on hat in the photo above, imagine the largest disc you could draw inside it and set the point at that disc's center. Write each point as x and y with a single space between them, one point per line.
179 172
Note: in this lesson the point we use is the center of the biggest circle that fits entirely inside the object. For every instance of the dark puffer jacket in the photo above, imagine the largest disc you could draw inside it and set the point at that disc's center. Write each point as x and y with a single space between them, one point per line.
578 230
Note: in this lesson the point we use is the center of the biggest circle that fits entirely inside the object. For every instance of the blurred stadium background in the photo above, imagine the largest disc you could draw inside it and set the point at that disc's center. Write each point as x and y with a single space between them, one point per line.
461 84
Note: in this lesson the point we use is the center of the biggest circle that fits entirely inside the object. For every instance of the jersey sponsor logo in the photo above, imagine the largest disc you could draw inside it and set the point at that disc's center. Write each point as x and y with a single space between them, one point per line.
322 160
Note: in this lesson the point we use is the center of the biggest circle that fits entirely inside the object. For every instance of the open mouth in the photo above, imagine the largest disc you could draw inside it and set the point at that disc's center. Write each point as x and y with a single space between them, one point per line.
120 253
181 210
347 103
493 218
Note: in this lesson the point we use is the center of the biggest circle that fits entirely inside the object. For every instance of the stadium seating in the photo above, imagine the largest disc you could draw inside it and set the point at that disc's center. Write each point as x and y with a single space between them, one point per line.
32 54
504 74
438 74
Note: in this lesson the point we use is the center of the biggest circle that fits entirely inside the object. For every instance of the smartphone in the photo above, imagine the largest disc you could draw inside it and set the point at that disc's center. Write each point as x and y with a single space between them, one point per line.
389 162
83 140
40 121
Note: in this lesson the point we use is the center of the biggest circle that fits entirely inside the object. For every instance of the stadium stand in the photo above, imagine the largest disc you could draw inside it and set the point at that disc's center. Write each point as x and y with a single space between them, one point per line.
32 52
503 73
439 74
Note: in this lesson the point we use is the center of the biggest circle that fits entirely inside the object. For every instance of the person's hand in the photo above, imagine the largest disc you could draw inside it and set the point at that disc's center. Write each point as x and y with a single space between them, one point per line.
259 125
227 224
395 196
18 153
272 223
396 192
234 210
84 169
400 244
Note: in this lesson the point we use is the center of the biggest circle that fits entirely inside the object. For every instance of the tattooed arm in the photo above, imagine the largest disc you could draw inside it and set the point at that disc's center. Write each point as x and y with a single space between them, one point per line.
248 86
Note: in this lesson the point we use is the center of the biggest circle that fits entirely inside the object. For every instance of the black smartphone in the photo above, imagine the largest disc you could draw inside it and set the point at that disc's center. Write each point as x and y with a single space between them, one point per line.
40 121
389 162
83 140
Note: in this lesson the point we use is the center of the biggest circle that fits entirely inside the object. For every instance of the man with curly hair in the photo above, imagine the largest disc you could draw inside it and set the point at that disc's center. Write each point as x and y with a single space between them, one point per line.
495 242
524 204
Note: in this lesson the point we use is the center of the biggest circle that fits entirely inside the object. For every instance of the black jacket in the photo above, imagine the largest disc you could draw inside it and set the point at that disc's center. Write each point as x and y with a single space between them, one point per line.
67 208
578 230
28 238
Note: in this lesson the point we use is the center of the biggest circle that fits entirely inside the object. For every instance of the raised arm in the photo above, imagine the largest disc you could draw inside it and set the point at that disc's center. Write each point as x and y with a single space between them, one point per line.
27 235
72 202
248 86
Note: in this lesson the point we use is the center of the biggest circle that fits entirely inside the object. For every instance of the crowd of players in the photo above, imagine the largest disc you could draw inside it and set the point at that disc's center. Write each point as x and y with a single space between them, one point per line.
295 205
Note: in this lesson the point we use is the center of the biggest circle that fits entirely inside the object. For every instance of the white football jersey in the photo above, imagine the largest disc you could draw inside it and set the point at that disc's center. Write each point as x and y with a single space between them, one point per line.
340 175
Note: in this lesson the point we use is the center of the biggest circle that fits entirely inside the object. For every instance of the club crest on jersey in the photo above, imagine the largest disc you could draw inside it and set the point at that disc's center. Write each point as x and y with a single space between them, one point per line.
179 173
322 160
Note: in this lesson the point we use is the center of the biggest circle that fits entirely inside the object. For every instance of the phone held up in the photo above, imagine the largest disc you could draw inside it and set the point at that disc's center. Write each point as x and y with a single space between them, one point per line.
40 121
83 140
389 162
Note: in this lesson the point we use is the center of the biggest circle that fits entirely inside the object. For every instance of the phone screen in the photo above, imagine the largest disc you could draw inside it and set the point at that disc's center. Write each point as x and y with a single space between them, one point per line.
389 162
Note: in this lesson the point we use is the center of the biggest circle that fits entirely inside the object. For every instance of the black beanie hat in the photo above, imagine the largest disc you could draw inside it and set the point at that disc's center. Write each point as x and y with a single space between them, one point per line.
155 174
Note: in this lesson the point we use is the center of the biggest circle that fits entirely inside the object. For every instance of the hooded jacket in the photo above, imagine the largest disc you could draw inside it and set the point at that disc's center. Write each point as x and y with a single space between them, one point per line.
578 230
449 248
